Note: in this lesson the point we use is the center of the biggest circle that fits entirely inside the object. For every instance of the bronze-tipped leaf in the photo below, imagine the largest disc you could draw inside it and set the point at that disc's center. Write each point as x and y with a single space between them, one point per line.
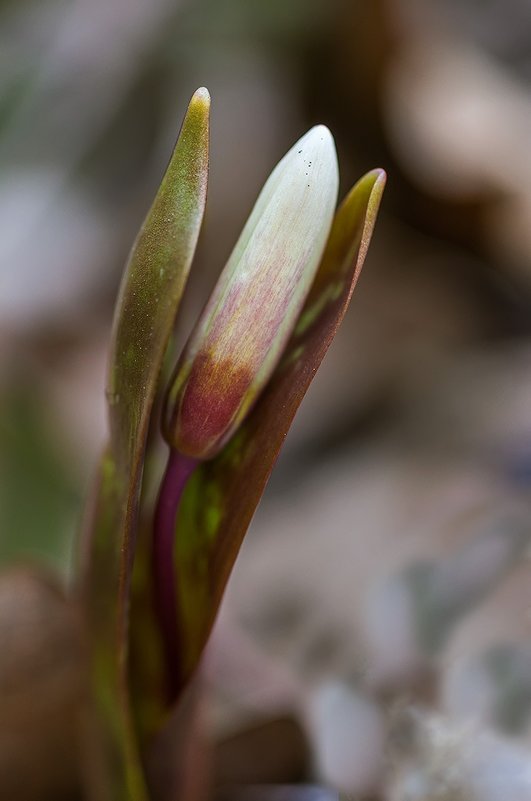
222 494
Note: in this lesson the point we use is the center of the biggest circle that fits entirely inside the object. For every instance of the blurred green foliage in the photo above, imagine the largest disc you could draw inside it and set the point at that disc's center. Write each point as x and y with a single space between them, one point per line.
39 494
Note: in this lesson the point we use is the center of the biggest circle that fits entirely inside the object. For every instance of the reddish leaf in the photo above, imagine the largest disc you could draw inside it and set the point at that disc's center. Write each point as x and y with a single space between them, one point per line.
222 495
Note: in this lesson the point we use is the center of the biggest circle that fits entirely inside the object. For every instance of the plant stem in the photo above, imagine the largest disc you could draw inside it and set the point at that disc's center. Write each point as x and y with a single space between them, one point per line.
178 471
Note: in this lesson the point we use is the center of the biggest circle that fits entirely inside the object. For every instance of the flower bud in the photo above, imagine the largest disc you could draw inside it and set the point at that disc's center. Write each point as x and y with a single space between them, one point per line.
244 328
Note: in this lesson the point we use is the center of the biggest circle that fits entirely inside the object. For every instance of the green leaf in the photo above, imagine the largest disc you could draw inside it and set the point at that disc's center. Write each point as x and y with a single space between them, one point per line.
150 294
222 495
39 487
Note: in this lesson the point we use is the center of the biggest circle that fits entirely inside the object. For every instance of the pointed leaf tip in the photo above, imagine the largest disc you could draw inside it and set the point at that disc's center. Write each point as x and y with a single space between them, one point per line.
201 95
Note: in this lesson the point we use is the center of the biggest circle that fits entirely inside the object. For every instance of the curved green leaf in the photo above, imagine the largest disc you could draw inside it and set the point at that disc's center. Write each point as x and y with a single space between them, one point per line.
150 294
222 495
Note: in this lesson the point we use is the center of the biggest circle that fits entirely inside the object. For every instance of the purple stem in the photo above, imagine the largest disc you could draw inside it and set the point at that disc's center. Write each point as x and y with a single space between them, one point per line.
178 471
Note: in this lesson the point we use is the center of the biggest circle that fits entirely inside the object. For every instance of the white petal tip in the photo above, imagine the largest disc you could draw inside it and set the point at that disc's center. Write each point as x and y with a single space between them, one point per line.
317 138
321 131
315 154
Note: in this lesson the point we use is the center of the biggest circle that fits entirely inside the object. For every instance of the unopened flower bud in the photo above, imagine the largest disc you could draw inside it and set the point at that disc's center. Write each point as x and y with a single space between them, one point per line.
245 326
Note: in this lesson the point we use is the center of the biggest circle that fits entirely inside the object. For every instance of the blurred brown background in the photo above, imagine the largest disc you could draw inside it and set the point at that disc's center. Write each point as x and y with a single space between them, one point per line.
384 593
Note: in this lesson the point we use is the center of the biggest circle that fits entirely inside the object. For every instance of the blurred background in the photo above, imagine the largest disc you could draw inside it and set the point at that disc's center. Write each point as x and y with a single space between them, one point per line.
376 633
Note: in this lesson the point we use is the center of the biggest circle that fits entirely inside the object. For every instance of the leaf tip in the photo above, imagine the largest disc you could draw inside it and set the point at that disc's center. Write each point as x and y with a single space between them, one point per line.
380 174
201 96
379 179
